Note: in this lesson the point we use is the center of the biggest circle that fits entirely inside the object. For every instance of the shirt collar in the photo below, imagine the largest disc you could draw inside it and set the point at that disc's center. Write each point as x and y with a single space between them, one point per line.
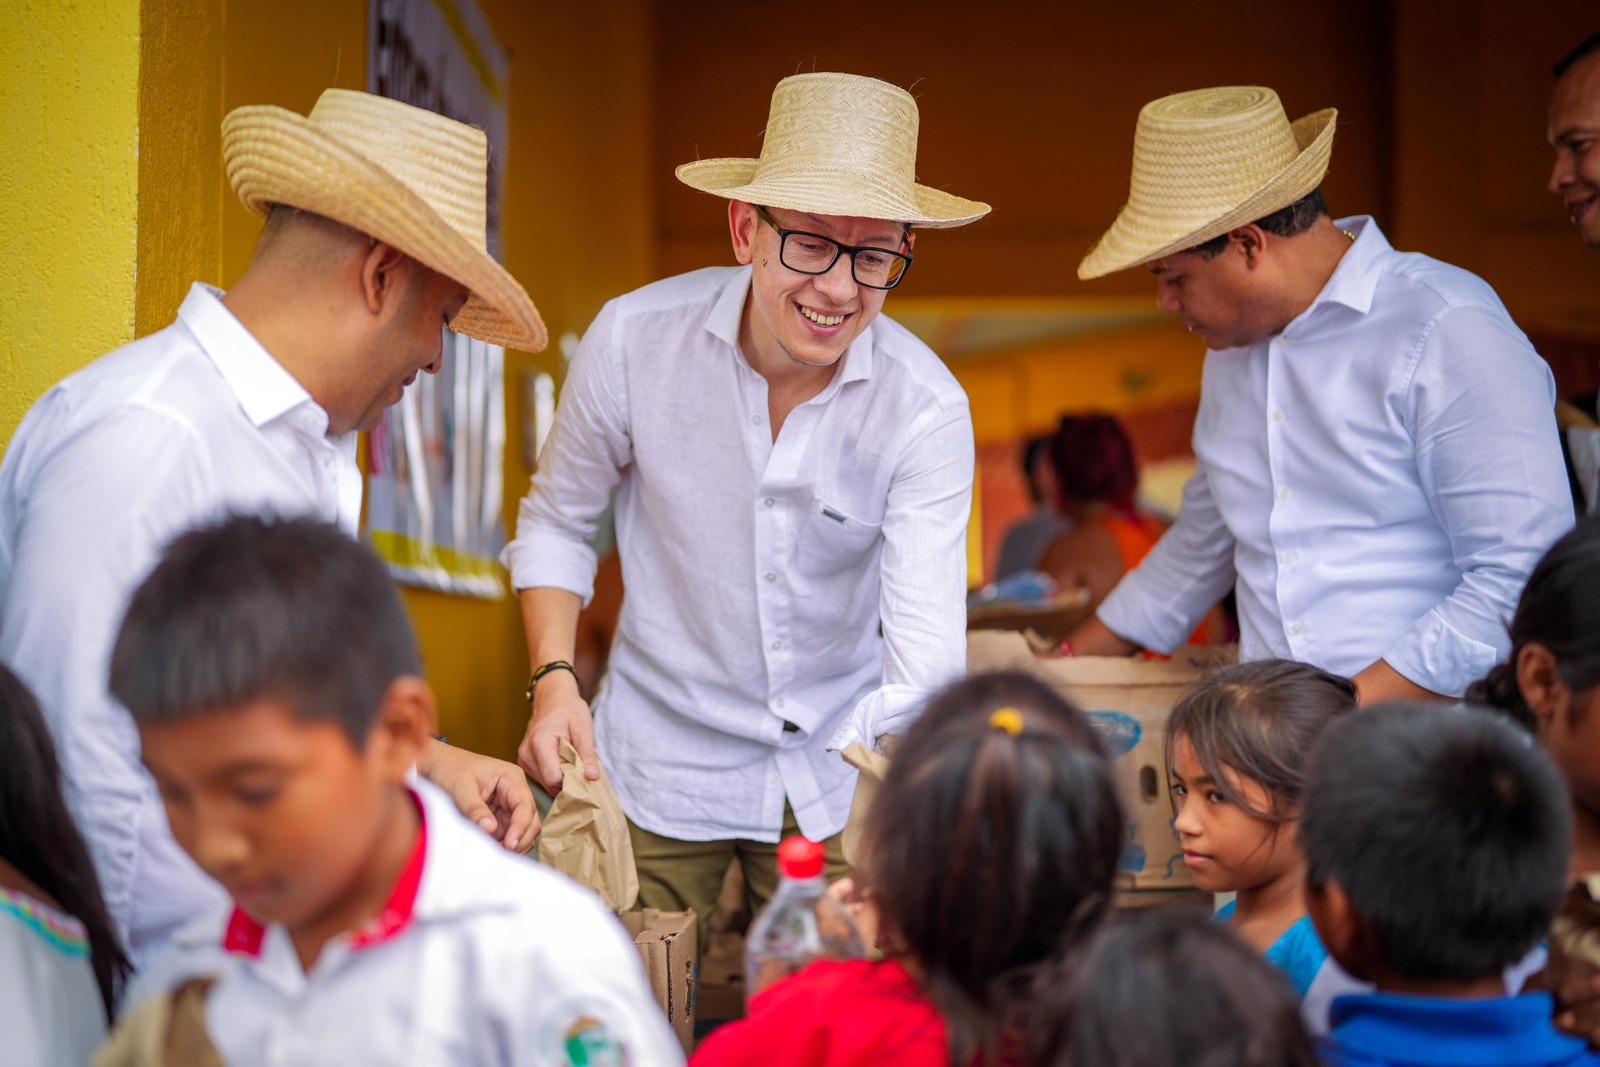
244 935
264 389
1355 279
1449 1031
727 311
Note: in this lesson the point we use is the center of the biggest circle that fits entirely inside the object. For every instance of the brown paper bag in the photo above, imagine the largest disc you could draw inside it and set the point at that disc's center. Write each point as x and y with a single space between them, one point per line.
165 1031
586 835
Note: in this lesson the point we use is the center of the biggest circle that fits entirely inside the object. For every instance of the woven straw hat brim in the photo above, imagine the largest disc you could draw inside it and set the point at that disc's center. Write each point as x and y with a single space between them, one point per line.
275 156
831 192
1136 238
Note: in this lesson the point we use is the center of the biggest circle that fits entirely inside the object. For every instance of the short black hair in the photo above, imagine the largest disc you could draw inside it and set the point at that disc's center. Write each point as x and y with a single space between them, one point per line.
1447 828
259 607
1290 221
1590 45
1169 987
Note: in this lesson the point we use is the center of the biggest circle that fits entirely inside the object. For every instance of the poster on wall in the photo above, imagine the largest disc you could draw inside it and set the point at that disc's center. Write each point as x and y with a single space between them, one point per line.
434 464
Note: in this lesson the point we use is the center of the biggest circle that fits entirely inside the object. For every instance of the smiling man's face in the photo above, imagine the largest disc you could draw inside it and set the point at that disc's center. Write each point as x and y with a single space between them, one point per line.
1574 133
807 319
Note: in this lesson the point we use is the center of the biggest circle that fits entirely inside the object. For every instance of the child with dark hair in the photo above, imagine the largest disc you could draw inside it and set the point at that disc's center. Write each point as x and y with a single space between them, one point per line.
275 681
1551 685
61 966
1165 988
1237 744
1436 844
1551 681
989 855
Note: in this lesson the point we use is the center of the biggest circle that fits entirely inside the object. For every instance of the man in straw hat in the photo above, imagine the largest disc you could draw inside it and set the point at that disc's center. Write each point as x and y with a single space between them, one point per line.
1377 466
791 469
251 401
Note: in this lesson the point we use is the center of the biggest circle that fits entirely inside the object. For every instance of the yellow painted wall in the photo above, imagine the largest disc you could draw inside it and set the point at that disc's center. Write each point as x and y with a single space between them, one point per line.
68 183
1025 391
181 183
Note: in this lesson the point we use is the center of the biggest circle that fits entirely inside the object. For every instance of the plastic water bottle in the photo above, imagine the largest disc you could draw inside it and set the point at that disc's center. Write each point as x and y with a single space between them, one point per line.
800 923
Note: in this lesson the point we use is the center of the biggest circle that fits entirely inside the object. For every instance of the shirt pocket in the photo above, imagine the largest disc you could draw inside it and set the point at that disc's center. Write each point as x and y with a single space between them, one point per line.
833 541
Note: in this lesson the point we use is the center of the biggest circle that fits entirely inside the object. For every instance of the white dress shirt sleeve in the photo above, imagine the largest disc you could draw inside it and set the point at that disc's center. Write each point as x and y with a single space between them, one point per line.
1158 604
579 466
922 602
1488 457
96 518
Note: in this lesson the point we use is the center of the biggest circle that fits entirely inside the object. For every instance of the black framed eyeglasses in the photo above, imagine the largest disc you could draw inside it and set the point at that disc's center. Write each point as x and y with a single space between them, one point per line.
812 253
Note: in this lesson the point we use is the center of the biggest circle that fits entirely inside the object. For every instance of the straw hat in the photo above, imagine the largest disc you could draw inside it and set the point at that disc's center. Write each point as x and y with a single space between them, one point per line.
1206 162
837 144
408 177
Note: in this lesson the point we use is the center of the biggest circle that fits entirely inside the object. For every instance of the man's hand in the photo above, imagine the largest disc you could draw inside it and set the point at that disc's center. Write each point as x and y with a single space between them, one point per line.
491 792
559 711
1381 683
1095 638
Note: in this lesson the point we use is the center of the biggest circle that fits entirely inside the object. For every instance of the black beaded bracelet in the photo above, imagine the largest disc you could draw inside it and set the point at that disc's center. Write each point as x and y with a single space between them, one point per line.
553 665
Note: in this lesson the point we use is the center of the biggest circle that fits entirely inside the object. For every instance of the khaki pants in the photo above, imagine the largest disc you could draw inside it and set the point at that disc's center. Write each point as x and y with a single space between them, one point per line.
678 875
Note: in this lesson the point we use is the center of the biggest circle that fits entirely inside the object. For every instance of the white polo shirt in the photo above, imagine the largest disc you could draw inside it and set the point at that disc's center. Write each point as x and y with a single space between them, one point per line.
480 957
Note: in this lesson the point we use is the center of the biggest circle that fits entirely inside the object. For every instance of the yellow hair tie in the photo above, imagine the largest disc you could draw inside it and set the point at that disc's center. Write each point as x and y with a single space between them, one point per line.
1007 719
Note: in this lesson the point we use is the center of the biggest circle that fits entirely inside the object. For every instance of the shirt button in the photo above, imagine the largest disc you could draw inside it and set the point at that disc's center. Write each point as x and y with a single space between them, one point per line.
767 503
779 702
777 646
1289 558
1296 629
1278 416
771 577
1283 494
755 420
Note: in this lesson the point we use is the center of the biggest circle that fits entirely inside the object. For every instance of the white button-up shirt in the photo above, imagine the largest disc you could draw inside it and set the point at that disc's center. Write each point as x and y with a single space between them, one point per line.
488 959
110 464
1381 477
757 572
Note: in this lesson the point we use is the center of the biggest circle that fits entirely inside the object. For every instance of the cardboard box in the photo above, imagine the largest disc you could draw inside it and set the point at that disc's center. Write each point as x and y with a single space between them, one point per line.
668 943
1129 699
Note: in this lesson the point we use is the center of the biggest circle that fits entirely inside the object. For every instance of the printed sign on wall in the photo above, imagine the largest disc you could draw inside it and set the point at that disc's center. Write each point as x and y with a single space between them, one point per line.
434 463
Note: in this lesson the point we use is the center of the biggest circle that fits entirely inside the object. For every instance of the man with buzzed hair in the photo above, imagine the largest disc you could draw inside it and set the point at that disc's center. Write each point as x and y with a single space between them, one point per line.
1377 466
249 402
1574 133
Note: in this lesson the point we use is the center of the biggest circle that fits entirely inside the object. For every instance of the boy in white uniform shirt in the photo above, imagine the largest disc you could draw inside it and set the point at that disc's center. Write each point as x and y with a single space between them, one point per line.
275 682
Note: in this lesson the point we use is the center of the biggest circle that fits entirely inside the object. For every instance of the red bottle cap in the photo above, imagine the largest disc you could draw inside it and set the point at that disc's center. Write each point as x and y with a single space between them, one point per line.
800 858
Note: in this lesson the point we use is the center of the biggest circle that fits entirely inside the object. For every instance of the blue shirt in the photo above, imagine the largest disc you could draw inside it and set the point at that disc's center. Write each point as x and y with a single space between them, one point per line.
1298 952
1390 1030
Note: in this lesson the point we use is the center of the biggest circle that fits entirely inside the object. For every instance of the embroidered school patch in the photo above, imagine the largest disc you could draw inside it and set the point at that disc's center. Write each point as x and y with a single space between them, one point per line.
588 1043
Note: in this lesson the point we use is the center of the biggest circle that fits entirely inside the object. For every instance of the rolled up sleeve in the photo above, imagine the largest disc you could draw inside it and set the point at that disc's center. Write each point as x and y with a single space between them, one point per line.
1488 456
579 467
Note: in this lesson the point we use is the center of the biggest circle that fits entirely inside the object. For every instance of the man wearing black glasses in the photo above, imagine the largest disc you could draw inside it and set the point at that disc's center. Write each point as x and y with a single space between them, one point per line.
793 478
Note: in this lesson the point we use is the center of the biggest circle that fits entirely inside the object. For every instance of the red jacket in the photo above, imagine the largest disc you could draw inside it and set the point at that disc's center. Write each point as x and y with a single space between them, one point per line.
834 1015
